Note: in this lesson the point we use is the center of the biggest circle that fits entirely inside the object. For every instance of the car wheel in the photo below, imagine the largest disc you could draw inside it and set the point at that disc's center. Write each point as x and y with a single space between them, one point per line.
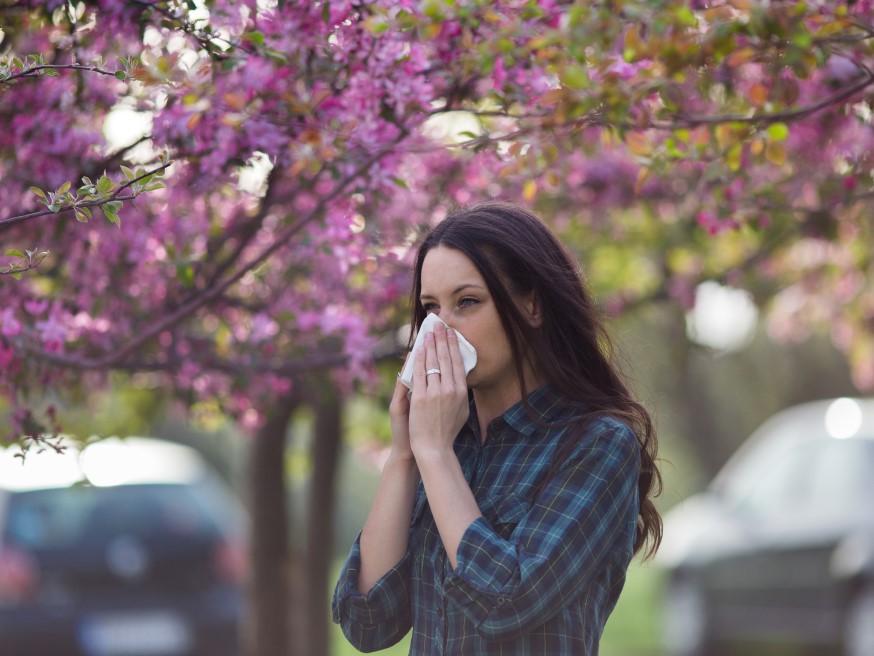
686 626
859 624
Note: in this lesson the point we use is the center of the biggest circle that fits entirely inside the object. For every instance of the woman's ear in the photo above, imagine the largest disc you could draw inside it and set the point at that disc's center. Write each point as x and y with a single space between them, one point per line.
532 310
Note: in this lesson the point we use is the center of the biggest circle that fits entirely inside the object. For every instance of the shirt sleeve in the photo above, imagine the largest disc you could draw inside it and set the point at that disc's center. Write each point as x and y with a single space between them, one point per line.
584 518
380 618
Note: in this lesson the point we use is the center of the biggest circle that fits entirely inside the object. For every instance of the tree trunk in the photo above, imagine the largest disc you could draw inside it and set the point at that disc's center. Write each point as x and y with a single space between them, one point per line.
320 521
267 630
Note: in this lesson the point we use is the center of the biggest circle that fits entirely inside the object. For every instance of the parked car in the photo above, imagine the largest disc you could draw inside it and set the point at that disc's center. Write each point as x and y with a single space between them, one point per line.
780 547
128 547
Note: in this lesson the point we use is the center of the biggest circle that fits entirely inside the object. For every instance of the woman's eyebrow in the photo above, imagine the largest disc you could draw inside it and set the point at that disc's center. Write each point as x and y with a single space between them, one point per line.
455 291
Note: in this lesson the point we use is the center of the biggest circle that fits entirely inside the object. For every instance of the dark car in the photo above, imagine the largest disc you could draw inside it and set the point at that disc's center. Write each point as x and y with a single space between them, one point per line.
127 548
780 547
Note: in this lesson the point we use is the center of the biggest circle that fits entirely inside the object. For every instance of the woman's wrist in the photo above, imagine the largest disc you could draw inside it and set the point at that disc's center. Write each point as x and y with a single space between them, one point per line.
401 459
433 454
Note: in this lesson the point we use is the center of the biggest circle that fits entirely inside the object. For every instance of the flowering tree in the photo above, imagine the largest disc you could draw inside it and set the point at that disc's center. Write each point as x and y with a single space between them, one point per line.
263 168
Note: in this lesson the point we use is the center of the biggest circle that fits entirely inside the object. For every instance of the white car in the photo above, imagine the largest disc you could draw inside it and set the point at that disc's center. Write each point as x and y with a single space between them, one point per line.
780 547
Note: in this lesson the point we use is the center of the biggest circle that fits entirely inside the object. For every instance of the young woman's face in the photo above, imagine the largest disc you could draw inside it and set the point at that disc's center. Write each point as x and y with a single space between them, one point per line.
454 290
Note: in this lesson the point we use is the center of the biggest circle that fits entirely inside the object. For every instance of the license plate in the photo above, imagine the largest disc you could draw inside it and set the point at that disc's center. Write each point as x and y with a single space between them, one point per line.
156 633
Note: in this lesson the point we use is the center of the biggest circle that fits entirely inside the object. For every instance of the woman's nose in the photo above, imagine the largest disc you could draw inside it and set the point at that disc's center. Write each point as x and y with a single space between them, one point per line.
443 315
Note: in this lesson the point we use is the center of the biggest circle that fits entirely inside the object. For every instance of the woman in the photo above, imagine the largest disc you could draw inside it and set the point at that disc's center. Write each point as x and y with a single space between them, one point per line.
514 499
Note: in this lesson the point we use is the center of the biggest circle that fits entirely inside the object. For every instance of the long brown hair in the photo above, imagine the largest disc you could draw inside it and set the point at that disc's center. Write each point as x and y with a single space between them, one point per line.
516 254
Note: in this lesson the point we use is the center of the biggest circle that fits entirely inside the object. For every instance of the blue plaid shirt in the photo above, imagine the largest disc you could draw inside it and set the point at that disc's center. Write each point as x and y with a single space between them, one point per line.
539 572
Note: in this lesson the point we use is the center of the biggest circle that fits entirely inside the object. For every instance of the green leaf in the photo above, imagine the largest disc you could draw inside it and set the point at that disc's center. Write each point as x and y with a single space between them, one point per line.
63 189
111 216
575 77
17 276
128 173
733 157
14 252
121 75
185 274
104 184
80 215
113 206
39 192
256 38
778 131
55 207
86 211
154 186
686 17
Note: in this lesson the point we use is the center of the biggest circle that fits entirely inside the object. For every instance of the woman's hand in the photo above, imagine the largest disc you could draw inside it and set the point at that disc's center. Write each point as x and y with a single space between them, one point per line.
399 416
439 405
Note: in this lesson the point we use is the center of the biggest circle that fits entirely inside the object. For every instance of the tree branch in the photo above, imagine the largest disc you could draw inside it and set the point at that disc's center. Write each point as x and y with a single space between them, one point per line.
596 119
776 117
37 71
115 196
205 39
388 349
113 359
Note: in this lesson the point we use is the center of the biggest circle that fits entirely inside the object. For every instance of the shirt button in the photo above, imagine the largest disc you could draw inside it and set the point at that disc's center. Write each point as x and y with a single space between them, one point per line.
500 601
440 613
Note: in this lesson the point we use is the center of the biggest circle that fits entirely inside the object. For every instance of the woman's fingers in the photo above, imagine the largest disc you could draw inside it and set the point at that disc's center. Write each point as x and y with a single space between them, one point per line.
441 356
432 363
444 359
458 372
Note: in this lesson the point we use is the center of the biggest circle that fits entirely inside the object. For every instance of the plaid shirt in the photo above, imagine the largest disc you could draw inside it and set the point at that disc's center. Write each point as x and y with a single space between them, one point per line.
535 574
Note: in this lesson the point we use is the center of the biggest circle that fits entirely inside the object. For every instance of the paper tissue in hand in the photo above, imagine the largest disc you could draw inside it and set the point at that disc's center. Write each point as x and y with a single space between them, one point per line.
468 352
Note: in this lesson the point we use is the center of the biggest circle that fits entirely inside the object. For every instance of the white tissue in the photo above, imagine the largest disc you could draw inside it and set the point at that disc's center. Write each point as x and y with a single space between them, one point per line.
468 352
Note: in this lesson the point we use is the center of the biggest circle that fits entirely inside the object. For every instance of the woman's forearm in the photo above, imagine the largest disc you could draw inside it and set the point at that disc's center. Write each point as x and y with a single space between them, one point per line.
449 496
387 529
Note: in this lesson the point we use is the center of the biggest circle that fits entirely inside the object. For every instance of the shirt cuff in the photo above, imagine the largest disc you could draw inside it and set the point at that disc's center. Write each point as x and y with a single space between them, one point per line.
487 567
380 603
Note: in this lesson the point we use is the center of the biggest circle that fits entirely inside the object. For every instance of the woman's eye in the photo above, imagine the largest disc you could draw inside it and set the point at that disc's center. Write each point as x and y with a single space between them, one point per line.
467 302
429 308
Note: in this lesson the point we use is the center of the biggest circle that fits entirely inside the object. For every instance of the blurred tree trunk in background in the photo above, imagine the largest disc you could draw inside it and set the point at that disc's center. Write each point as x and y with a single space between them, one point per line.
267 633
321 510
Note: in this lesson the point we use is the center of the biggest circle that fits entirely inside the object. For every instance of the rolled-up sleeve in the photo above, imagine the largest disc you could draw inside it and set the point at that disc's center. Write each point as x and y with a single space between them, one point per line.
380 618
584 518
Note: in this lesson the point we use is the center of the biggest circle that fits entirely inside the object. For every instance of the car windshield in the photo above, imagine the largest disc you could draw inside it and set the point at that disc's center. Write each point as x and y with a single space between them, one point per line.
66 518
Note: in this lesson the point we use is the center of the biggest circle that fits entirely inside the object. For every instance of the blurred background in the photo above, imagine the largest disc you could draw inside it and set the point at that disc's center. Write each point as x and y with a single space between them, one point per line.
209 211
707 398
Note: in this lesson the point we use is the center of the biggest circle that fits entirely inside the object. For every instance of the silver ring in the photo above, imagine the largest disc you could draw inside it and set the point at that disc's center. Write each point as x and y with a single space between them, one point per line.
432 371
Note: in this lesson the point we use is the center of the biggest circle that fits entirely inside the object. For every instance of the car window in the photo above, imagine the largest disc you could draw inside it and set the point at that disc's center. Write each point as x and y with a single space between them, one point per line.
68 517
842 475
781 489
825 475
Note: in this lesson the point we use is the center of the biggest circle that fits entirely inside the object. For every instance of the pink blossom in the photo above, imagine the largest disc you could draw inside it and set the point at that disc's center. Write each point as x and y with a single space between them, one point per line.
9 324
8 361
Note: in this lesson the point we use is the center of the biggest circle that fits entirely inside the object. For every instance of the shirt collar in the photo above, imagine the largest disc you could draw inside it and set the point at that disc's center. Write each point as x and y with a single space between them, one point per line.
546 404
